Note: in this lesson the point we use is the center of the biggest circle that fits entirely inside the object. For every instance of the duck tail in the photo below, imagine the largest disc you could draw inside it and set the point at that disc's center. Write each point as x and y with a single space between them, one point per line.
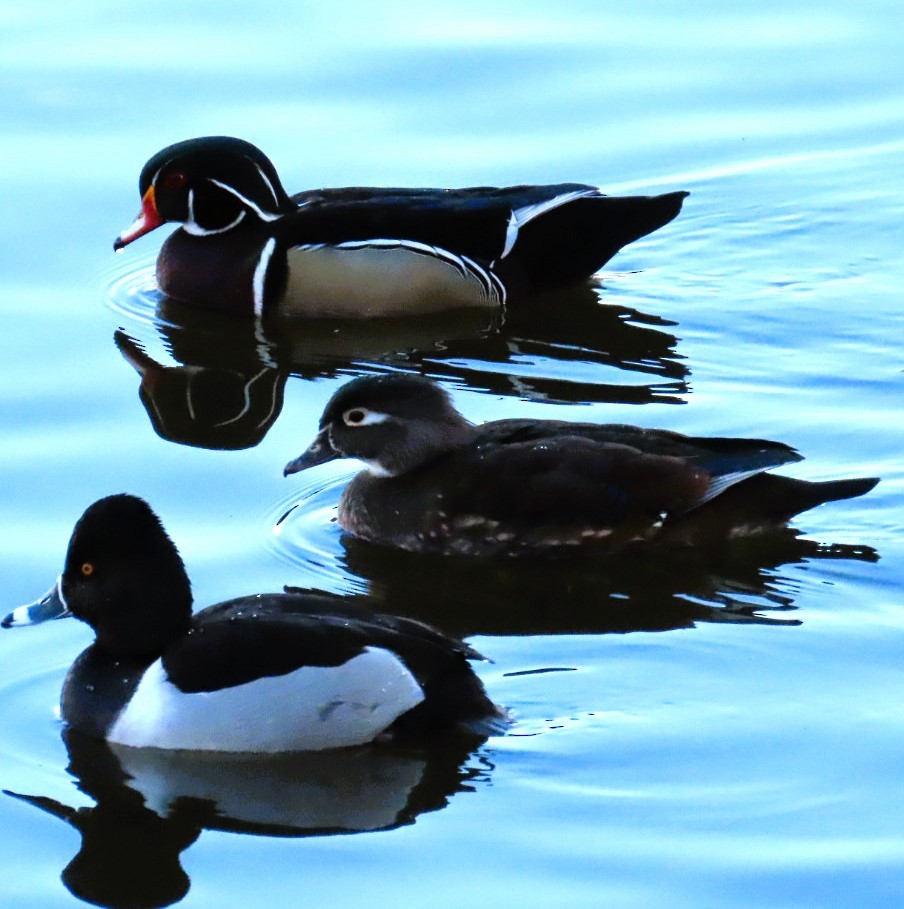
846 489
570 243
761 502
776 499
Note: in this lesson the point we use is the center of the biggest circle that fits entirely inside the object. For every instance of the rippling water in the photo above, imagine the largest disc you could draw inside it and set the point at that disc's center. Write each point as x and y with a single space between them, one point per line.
709 729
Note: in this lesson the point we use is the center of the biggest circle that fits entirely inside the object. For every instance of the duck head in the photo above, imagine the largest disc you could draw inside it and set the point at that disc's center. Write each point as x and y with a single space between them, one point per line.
123 576
394 423
209 185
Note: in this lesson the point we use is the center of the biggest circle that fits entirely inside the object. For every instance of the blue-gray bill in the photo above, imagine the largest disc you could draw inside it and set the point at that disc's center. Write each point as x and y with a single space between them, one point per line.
318 452
50 606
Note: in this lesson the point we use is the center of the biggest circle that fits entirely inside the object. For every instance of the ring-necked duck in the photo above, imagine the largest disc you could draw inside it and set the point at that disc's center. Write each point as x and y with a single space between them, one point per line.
246 246
436 482
295 671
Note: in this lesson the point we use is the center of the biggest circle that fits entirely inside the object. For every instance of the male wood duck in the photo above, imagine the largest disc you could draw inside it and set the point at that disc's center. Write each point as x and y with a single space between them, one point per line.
246 246
295 671
436 482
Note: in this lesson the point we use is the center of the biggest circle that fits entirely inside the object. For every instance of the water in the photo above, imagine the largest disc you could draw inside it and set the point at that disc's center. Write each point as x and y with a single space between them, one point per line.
717 729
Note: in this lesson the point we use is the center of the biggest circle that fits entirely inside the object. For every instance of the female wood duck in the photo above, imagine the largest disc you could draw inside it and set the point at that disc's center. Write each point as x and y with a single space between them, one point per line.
274 672
246 246
435 482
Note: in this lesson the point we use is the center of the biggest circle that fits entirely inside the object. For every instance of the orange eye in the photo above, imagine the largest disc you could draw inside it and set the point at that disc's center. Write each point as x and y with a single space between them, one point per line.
87 569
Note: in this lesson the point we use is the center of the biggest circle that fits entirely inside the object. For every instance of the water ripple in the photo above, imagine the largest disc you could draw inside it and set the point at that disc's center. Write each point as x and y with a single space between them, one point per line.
31 697
131 289
303 532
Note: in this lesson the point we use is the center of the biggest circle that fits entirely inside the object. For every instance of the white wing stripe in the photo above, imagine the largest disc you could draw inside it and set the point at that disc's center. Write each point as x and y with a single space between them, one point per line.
520 216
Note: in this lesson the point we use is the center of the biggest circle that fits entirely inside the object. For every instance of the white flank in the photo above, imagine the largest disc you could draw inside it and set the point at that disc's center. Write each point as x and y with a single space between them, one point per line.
520 216
386 277
492 287
310 709
260 276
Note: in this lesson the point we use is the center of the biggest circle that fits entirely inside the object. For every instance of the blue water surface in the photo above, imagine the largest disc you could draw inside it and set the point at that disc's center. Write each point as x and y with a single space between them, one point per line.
713 730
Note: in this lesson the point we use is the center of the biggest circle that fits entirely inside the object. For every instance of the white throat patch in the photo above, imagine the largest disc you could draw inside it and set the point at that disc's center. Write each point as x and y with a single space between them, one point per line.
192 227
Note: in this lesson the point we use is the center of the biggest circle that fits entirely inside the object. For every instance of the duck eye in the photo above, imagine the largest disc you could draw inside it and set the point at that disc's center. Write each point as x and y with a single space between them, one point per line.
174 179
87 569
354 417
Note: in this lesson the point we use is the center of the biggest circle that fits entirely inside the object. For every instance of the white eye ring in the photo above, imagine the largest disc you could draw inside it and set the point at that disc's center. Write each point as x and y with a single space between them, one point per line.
361 416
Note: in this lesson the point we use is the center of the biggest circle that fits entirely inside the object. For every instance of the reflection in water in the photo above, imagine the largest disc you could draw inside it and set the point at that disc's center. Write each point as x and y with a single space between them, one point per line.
227 387
207 406
651 590
152 805
648 589
558 347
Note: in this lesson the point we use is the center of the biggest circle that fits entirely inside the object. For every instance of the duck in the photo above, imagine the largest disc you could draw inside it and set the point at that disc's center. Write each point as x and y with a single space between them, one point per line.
246 246
265 673
435 482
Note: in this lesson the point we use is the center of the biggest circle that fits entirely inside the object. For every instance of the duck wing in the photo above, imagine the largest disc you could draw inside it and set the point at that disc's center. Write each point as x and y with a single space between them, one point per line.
537 235
559 472
473 222
240 640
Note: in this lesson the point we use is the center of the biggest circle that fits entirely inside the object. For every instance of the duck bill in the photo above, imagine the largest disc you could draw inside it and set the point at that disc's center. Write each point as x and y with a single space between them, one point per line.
318 452
148 219
51 606
135 356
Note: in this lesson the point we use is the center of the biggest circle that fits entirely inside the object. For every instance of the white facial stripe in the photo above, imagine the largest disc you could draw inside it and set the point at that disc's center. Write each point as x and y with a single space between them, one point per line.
192 227
263 215
260 276
520 216
265 178
246 398
371 417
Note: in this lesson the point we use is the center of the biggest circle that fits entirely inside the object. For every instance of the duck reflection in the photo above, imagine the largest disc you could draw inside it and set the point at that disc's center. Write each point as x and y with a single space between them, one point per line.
225 389
221 407
151 805
650 590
